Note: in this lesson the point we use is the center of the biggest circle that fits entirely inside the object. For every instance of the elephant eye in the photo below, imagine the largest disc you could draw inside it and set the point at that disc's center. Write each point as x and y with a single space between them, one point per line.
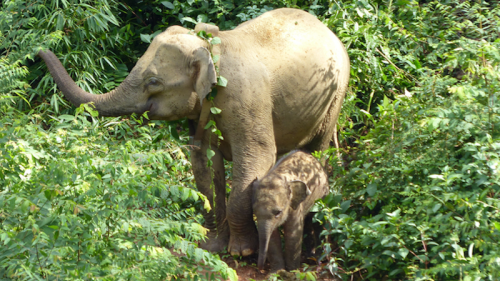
154 85
277 213
153 81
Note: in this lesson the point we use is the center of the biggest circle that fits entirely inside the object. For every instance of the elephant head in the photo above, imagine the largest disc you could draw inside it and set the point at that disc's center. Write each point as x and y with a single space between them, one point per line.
168 80
274 198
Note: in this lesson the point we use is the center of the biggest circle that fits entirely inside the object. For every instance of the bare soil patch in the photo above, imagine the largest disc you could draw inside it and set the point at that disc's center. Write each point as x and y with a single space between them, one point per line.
246 268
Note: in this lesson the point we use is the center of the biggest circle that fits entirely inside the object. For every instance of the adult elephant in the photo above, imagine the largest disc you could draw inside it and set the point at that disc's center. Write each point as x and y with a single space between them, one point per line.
287 76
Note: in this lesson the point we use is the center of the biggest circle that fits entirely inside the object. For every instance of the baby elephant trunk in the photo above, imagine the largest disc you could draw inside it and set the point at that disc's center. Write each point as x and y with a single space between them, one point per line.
265 231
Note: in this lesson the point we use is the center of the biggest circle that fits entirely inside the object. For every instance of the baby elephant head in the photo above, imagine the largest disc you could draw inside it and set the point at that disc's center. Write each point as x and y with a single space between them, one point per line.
274 198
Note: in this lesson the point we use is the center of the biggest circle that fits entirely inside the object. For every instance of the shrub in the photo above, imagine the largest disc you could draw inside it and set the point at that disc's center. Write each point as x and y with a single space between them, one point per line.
417 197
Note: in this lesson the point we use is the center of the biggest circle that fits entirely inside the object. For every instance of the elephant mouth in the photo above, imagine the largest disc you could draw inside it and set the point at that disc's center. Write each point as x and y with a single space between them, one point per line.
150 107
154 111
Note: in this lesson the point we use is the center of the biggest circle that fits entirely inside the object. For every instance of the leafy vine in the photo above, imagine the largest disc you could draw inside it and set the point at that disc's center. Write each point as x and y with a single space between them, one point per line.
221 81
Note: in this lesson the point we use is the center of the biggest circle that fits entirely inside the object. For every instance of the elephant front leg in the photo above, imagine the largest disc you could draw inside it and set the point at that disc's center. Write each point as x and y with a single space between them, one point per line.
244 238
211 182
275 253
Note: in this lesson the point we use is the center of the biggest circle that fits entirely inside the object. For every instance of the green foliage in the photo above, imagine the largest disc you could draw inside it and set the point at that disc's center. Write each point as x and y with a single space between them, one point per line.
83 34
77 203
417 197
10 77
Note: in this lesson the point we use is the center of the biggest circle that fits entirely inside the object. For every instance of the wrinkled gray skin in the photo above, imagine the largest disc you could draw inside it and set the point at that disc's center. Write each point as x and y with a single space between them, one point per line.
287 76
284 196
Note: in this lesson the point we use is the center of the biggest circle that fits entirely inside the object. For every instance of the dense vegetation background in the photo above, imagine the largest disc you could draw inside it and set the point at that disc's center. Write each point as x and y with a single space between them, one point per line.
415 196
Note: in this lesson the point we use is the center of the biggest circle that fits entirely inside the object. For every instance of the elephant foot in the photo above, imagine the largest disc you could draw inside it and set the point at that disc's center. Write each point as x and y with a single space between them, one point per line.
216 241
276 267
243 245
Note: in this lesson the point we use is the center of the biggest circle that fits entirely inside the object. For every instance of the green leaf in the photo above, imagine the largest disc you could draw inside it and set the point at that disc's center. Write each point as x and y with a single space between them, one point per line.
367 113
403 252
90 108
188 19
146 38
211 123
213 94
215 110
221 81
206 204
371 189
60 22
387 101
173 132
185 194
160 137
202 18
232 274
48 194
215 41
311 276
497 225
345 205
417 63
25 206
168 5
210 153
348 243
198 254
395 213
436 207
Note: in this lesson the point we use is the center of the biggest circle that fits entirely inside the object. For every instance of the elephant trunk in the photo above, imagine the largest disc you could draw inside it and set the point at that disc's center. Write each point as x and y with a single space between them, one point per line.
119 101
265 231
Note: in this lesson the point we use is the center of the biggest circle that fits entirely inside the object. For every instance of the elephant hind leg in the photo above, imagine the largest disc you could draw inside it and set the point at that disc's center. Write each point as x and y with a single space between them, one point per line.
313 240
323 137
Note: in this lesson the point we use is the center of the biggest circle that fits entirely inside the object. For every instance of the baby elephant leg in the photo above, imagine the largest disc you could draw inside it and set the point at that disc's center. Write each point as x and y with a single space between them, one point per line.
293 229
275 253
312 231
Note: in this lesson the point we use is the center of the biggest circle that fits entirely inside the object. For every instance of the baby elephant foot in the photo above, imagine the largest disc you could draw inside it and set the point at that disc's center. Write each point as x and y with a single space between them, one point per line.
215 242
243 245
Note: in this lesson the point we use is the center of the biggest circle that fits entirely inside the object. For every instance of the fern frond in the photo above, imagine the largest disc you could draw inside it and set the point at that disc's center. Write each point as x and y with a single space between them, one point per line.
11 75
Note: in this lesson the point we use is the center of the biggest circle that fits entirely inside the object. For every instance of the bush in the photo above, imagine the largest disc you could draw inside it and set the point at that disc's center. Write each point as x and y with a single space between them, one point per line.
417 197
76 203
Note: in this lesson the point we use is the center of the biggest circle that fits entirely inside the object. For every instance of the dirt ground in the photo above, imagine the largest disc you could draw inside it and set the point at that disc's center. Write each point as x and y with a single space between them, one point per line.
247 270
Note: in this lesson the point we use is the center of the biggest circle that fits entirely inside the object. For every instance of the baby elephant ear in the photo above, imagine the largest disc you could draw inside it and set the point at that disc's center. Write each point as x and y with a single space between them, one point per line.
255 182
254 185
206 77
299 193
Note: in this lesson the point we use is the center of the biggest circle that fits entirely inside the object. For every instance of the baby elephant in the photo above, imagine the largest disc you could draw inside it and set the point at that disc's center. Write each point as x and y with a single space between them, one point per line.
283 197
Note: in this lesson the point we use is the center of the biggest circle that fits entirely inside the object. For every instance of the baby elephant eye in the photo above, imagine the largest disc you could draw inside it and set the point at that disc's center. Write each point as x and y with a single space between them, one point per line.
277 213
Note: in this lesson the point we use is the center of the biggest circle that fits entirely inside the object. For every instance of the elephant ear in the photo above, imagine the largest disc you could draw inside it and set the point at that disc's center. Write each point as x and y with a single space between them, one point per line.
206 77
299 191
